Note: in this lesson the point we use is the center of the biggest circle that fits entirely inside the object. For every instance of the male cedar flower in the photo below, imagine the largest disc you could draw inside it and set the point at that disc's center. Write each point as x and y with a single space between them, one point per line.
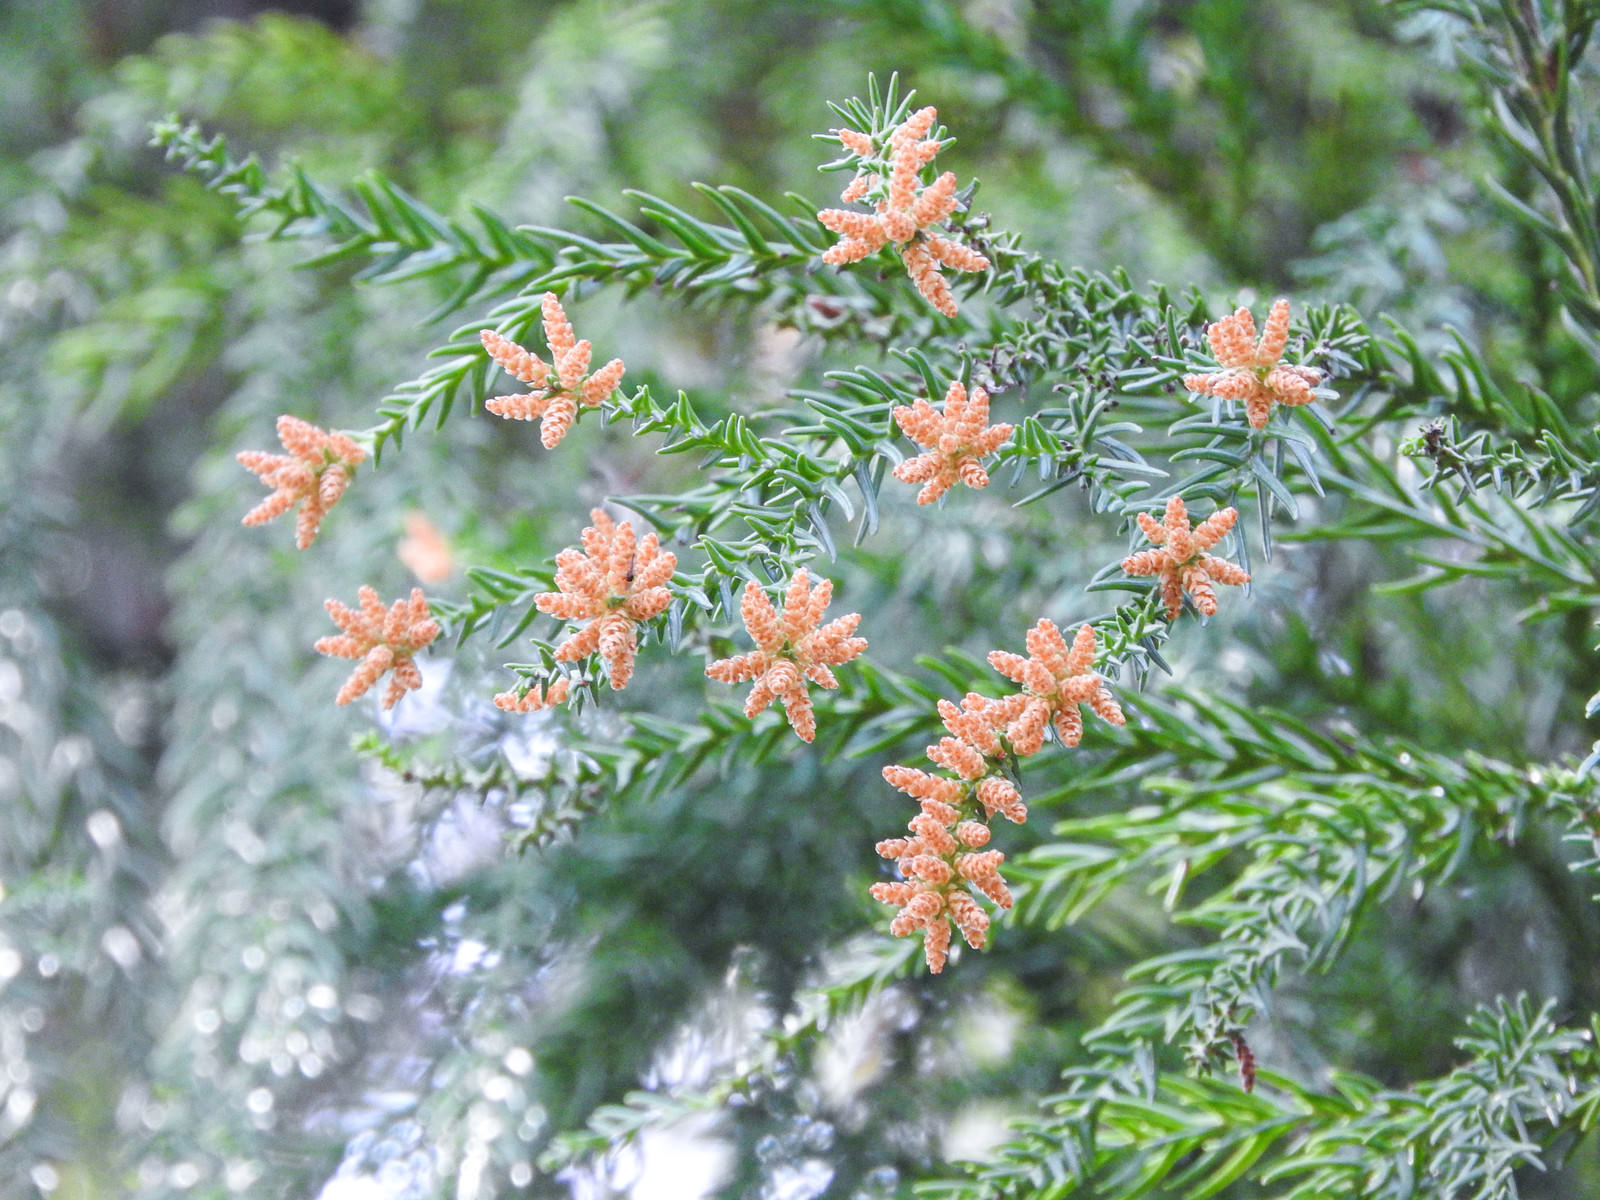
944 860
562 384
613 583
791 648
1250 368
1057 681
952 441
945 857
904 213
383 639
1181 561
313 475
939 862
534 698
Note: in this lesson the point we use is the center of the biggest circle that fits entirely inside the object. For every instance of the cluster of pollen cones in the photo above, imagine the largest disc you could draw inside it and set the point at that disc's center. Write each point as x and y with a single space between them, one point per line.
617 581
560 386
945 858
905 213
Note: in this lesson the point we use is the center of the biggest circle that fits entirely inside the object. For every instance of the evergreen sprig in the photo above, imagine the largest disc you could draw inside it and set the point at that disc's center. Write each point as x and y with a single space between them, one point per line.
397 236
1551 471
1324 825
1529 1085
1123 1128
1532 61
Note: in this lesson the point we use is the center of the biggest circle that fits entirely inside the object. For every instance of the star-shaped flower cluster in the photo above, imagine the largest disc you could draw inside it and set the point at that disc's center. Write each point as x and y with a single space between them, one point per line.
904 212
1251 370
383 639
613 583
1180 558
560 385
313 474
1056 681
939 860
945 859
952 441
791 648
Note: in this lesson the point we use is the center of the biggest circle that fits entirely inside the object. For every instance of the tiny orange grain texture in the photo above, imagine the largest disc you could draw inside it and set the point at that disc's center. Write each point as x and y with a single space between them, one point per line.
904 212
383 639
792 648
1251 371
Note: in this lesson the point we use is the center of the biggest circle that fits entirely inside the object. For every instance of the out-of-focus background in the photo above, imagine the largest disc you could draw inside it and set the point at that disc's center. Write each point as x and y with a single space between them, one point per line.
238 958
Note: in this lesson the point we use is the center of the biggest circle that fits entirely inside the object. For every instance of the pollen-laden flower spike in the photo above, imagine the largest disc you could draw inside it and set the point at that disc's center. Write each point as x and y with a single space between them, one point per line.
1180 560
1251 371
953 442
383 639
313 474
941 859
561 386
535 698
859 144
905 213
613 583
1055 682
792 648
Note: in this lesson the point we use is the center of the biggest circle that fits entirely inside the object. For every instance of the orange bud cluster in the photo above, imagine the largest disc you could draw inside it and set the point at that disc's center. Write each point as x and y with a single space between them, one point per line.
613 583
904 212
383 639
313 474
944 861
1056 682
952 441
943 858
1180 558
1251 371
534 698
562 384
791 649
